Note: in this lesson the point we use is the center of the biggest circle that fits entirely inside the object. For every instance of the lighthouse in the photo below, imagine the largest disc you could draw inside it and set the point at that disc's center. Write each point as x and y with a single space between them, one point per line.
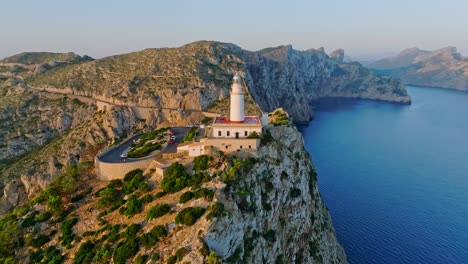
236 131
237 100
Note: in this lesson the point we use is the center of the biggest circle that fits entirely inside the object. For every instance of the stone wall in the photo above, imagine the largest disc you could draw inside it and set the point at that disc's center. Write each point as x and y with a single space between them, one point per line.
109 171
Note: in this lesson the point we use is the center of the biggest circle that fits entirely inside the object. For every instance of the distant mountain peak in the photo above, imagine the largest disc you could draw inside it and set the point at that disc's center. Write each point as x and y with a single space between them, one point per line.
29 58
444 67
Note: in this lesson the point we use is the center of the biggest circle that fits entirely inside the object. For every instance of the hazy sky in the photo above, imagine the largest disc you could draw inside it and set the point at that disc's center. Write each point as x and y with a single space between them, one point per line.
361 27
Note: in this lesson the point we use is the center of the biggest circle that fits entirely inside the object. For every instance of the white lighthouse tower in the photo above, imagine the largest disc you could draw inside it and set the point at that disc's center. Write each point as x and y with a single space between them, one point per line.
237 100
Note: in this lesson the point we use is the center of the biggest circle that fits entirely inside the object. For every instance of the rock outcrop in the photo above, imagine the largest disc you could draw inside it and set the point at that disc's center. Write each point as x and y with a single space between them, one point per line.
445 68
284 77
338 55
275 211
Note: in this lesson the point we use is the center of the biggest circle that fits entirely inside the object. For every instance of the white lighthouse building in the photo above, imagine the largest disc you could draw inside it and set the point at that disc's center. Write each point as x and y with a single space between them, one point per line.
236 131
237 100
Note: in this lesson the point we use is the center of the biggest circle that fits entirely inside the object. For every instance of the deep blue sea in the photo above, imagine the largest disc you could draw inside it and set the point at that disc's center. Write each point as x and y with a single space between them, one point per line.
395 177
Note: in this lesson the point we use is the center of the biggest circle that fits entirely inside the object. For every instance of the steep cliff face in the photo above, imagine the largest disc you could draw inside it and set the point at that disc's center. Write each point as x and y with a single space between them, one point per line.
252 208
444 67
274 211
29 120
284 77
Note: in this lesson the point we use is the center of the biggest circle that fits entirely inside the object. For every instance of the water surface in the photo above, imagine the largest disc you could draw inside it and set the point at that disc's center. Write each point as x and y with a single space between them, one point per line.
395 177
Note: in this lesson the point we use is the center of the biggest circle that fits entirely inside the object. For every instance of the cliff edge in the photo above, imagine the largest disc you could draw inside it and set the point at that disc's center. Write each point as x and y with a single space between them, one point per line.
275 211
245 207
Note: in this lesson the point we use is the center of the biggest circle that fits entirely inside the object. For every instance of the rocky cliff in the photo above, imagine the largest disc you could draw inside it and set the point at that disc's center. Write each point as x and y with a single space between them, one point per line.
240 208
444 68
275 212
292 79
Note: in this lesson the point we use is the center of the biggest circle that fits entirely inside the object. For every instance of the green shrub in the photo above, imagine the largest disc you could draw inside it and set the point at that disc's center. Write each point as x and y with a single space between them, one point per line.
213 258
126 250
146 199
151 238
10 233
254 134
141 259
30 220
206 120
159 231
216 210
134 206
42 217
205 193
158 211
49 255
132 230
189 216
143 151
103 254
180 253
21 211
148 240
54 202
110 197
160 194
197 178
132 181
266 138
39 241
155 257
190 134
175 179
186 196
172 260
114 234
77 198
85 253
116 183
201 163
204 249
67 233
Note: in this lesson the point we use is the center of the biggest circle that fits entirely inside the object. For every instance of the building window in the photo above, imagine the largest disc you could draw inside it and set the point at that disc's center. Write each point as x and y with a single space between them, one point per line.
227 133
250 146
245 134
226 146
219 133
241 146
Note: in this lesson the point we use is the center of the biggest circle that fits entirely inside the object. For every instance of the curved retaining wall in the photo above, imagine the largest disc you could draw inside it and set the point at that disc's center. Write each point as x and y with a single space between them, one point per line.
110 171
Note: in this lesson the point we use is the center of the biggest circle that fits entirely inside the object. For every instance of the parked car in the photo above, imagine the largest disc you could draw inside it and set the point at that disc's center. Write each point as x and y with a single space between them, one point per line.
171 141
173 137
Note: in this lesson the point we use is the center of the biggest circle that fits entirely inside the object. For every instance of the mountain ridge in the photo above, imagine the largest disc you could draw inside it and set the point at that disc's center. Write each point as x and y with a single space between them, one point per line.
205 67
444 67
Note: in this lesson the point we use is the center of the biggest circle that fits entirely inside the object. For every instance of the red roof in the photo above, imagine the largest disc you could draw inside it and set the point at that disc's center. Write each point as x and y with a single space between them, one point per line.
248 120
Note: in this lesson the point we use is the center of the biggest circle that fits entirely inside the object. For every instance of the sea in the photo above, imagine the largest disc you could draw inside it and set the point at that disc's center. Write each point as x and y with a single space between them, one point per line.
395 177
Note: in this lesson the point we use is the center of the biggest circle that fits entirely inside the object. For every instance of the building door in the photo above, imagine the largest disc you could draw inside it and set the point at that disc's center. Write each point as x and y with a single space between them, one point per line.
237 134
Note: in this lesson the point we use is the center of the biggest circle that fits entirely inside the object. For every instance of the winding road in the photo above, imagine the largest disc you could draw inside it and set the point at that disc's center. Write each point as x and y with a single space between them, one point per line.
113 155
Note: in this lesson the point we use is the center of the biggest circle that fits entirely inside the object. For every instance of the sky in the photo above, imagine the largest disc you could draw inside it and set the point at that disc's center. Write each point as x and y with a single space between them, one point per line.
365 29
